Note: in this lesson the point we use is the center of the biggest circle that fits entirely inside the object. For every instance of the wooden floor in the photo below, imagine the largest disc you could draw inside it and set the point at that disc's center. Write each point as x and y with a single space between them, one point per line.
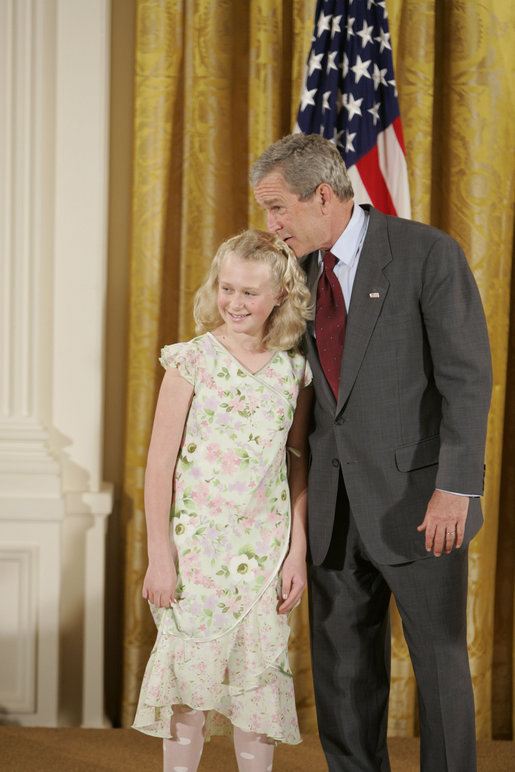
125 750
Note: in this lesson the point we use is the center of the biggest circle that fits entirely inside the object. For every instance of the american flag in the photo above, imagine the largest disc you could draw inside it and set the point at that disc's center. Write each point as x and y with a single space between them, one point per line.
349 96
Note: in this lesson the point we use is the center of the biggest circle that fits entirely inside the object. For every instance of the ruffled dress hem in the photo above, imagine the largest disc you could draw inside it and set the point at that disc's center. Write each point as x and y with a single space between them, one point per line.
242 679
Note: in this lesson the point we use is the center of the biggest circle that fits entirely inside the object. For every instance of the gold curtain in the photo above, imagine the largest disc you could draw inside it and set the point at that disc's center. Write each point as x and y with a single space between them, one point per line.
215 83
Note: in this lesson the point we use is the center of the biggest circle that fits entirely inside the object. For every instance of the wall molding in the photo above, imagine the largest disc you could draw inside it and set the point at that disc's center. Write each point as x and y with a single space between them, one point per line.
18 612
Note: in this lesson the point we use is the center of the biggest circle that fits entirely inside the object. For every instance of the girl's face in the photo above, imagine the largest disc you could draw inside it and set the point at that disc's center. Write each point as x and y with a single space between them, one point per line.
246 294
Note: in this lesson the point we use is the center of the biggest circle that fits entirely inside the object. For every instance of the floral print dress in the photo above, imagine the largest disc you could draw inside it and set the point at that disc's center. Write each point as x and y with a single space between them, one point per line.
223 647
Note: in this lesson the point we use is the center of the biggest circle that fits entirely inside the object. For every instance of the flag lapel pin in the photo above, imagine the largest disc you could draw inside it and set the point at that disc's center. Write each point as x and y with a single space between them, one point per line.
373 294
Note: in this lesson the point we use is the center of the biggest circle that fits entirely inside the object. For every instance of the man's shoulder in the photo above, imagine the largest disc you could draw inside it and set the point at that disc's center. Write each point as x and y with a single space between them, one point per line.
401 227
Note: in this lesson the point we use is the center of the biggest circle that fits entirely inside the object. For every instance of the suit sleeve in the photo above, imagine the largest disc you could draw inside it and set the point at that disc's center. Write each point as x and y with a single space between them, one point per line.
458 339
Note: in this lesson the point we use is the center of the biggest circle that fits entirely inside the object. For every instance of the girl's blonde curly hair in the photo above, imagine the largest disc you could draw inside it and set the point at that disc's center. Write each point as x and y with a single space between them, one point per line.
287 322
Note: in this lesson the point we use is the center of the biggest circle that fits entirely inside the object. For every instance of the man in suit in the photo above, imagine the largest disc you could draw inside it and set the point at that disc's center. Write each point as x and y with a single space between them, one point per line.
397 453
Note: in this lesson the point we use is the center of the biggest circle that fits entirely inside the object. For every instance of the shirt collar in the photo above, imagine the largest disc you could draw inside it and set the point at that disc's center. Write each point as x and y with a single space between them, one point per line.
346 248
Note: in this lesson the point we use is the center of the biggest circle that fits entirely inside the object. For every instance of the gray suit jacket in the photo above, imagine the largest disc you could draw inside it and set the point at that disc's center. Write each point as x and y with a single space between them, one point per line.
414 392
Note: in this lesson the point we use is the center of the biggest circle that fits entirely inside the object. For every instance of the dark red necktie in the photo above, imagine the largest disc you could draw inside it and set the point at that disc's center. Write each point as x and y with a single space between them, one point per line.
330 322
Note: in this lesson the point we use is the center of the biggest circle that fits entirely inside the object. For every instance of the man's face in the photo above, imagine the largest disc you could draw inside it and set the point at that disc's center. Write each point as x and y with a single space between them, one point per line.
301 224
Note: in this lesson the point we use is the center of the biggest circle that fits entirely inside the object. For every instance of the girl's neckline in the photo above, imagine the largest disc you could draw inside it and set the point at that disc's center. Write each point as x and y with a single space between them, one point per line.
236 359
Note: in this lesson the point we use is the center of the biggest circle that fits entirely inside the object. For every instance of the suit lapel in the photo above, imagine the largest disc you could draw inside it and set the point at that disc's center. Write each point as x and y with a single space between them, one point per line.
368 295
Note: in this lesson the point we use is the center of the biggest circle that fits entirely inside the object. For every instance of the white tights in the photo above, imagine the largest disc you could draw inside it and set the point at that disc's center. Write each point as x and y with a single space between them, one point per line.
254 752
182 752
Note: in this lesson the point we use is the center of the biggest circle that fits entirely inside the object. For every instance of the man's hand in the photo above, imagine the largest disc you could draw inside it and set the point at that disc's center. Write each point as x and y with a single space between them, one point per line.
444 522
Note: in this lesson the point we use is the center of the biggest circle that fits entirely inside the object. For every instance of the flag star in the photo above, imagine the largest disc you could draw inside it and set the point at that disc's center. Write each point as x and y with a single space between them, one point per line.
324 23
330 62
350 22
349 147
340 100
307 97
383 40
378 77
337 137
325 101
360 69
335 26
314 62
370 3
382 3
365 35
374 111
345 65
353 106
393 83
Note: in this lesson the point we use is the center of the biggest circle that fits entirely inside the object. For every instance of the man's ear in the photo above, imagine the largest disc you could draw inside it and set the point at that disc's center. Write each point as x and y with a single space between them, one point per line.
326 194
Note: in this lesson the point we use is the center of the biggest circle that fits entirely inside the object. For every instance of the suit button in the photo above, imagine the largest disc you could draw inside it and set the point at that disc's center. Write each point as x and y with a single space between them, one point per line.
340 420
335 462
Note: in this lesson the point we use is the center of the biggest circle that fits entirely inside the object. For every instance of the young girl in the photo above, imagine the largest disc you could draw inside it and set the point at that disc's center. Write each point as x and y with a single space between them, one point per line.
229 564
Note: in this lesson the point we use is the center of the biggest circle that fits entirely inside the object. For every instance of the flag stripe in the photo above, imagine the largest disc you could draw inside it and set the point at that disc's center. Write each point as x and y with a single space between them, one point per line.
360 191
392 163
370 170
397 125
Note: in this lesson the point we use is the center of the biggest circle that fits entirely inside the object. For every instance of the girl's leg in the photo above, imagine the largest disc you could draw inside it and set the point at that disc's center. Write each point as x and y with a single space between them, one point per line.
254 752
182 752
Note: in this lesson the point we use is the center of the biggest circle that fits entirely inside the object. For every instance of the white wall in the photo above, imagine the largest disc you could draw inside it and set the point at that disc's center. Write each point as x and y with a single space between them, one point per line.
54 76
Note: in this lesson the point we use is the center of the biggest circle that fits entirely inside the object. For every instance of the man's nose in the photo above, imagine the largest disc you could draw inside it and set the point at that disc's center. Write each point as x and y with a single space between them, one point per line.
272 223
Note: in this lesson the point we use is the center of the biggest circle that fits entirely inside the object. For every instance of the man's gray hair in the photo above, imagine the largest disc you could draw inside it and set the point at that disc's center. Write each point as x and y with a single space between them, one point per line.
305 161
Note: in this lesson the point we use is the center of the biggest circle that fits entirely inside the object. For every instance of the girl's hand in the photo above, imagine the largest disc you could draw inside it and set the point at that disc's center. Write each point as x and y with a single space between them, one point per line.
159 583
294 581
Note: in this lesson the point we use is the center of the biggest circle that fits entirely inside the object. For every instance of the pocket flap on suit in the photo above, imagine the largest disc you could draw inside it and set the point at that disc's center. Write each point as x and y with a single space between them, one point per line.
418 454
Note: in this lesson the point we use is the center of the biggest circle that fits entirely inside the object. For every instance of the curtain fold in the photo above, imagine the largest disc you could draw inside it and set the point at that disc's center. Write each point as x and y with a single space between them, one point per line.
157 85
214 85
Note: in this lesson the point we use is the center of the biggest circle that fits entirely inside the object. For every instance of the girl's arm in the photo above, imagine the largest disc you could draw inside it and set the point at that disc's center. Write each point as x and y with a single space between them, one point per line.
172 409
294 567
